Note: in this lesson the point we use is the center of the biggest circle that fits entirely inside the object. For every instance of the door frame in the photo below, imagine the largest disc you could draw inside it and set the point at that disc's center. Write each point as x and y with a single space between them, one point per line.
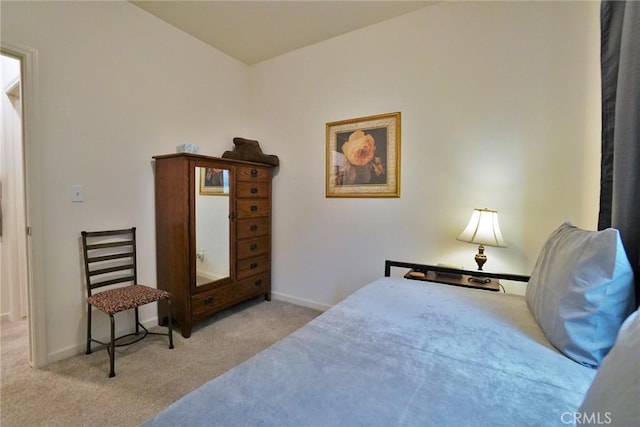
33 199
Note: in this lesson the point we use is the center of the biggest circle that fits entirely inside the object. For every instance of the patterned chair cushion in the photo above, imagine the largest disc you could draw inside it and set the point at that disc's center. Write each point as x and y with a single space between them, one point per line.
125 298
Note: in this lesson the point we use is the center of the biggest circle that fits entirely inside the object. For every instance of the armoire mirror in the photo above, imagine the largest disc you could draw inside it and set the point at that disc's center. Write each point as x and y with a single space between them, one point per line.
212 187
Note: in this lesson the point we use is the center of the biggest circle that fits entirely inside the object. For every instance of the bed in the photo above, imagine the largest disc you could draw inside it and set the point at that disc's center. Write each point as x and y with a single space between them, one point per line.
399 352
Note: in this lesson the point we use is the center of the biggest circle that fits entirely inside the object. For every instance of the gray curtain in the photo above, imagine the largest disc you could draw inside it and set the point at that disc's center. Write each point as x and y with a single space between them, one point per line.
620 185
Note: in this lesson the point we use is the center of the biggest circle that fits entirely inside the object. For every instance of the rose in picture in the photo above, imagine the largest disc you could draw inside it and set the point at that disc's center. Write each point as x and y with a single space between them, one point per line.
360 148
363 156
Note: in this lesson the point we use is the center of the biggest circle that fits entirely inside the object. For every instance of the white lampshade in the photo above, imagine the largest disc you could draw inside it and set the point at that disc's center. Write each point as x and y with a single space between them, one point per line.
483 229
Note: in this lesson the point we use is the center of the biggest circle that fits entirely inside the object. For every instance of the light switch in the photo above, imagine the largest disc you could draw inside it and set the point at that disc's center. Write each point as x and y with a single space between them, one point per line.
77 193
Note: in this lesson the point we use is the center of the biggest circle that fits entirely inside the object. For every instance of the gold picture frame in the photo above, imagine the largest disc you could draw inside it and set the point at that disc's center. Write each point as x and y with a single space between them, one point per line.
363 157
214 182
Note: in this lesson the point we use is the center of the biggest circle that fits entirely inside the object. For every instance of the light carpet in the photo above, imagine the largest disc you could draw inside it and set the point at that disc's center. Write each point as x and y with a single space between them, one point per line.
149 376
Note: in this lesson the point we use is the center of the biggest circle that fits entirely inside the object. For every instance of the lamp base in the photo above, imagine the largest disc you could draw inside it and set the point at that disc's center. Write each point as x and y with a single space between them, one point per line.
481 258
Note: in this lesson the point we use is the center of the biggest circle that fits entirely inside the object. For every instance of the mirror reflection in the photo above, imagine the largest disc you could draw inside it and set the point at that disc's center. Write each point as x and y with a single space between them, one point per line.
212 224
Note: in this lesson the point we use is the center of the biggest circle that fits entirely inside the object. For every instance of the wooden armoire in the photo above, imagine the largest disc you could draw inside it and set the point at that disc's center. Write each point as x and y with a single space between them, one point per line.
213 234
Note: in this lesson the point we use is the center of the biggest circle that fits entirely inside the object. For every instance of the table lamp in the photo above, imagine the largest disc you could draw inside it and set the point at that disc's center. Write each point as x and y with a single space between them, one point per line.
483 229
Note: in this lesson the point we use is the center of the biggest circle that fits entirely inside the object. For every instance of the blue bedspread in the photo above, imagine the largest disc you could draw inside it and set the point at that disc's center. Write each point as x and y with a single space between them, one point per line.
399 353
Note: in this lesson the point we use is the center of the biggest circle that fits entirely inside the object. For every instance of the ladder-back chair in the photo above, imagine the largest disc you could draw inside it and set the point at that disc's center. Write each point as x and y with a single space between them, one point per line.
110 260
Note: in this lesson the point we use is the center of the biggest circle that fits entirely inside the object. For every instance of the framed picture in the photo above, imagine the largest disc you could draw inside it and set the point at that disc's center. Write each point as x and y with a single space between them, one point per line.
363 157
214 182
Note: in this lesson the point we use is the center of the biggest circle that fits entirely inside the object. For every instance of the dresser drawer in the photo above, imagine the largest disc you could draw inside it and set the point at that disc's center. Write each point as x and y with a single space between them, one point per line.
255 285
253 174
248 208
252 247
252 189
252 227
215 300
209 302
252 266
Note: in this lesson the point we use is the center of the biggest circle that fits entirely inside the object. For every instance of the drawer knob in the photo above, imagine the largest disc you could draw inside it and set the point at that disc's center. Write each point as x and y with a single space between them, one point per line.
253 247
254 208
258 282
254 172
253 266
253 227
253 190
208 301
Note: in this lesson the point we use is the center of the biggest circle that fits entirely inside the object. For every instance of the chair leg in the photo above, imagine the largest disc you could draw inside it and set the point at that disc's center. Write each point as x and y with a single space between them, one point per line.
137 322
170 328
112 348
88 329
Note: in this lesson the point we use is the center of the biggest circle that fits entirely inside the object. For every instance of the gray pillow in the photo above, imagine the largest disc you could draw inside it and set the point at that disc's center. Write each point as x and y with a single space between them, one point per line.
581 290
614 396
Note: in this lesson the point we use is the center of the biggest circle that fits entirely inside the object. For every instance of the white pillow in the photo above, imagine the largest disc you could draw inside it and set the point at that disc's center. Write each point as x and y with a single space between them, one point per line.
614 396
581 290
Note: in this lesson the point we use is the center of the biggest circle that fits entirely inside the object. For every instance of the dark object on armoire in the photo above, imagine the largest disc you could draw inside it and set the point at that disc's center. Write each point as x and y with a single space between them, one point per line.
109 259
213 234
250 151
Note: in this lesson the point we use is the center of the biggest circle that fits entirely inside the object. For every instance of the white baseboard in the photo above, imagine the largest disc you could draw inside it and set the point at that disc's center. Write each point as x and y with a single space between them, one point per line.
300 301
81 348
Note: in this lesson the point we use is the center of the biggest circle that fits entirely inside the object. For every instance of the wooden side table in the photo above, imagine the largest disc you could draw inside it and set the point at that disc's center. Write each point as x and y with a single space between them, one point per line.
454 279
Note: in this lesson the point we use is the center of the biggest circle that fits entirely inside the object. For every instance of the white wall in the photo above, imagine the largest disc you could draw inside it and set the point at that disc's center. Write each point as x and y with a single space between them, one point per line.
9 75
13 263
499 106
116 87
500 109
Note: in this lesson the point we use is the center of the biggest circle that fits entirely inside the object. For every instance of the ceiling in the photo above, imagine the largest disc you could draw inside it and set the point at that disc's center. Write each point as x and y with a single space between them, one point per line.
253 31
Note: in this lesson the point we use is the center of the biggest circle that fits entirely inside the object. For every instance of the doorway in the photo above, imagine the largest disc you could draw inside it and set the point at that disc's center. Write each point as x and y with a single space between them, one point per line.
13 226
